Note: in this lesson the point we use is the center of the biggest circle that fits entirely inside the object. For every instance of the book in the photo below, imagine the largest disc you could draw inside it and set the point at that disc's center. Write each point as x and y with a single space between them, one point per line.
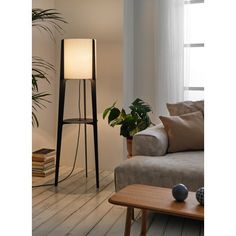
43 159
43 173
42 164
44 152
42 168
38 170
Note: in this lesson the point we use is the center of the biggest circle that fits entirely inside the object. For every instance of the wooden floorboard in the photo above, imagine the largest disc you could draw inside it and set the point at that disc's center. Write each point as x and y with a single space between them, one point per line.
87 224
76 207
64 171
89 205
118 227
105 224
191 227
63 193
174 226
51 190
158 225
59 212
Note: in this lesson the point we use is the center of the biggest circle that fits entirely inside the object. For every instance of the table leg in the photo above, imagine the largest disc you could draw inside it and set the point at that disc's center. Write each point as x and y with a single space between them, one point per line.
128 221
132 214
144 223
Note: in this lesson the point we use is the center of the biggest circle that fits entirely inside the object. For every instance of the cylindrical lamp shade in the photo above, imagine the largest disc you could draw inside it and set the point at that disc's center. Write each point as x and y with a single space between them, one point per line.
78 58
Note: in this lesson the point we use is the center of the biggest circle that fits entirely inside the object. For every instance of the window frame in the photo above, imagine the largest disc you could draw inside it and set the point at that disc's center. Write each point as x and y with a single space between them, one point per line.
192 45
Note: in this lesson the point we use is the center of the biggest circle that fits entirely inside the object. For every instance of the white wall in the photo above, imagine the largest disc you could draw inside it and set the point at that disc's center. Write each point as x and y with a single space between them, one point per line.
102 20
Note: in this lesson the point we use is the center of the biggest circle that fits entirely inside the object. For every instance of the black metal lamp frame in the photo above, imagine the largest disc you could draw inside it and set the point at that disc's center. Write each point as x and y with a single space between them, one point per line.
86 121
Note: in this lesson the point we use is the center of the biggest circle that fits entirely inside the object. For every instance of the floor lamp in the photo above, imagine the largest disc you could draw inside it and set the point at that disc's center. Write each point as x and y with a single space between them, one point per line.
78 61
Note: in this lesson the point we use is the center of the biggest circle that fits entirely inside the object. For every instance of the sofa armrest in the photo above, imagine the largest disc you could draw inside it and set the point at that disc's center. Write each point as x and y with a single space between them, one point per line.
152 141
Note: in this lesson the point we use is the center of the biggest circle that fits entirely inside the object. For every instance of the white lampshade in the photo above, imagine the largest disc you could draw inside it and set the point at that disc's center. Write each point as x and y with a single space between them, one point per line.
78 58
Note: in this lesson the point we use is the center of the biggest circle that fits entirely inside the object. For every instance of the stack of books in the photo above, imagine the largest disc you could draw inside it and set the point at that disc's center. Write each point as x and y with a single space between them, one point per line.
43 162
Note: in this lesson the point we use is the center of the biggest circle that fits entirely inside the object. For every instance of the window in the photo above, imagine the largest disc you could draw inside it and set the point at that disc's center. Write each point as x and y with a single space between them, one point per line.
193 49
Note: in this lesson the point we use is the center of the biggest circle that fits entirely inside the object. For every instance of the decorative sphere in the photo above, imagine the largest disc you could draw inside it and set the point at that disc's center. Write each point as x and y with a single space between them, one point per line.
200 195
180 192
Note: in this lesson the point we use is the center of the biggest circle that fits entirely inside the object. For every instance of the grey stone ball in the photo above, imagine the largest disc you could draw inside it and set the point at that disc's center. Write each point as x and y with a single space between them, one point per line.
180 192
200 195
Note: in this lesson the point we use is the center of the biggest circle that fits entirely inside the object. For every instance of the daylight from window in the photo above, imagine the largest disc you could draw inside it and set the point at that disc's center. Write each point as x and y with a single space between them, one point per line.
194 50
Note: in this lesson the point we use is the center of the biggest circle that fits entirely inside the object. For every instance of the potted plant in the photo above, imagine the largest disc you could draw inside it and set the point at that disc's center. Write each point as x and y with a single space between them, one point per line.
130 123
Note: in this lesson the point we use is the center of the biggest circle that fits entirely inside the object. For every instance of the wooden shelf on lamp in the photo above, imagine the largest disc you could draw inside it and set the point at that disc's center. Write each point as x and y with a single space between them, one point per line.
88 121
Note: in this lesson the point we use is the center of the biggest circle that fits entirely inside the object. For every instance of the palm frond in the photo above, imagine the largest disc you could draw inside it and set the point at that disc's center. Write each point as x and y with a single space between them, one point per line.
47 20
38 99
35 122
38 102
38 61
39 71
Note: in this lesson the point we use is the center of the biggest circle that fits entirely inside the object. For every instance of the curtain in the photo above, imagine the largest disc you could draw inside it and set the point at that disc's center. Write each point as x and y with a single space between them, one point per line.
169 52
157 73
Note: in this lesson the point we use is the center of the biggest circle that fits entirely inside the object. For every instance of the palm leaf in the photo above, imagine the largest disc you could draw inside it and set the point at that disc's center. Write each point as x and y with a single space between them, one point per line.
48 20
35 121
38 102
39 70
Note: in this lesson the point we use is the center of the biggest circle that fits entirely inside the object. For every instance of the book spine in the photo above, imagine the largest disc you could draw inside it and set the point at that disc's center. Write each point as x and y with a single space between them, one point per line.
46 159
42 168
38 155
42 164
43 173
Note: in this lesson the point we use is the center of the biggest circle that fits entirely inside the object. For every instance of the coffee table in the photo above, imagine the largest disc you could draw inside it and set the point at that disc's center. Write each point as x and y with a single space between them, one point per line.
156 199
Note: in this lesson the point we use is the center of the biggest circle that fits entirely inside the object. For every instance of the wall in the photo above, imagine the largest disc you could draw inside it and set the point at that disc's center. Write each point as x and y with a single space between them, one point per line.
44 47
143 50
102 20
139 67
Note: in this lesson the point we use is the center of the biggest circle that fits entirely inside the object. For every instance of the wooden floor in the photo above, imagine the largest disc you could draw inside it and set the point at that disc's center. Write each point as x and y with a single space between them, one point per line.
75 207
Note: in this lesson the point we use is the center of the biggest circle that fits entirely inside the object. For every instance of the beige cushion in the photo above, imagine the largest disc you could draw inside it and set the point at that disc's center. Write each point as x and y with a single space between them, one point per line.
185 132
152 141
181 108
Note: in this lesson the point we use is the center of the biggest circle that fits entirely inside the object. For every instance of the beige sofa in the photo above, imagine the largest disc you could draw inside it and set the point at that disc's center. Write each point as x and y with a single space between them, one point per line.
151 164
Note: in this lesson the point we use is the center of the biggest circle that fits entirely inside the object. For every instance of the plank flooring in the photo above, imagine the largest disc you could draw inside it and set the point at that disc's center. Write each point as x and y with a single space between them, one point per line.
76 207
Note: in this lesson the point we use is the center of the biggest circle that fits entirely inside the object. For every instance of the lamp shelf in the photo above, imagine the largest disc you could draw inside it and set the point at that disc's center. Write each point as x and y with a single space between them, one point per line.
88 121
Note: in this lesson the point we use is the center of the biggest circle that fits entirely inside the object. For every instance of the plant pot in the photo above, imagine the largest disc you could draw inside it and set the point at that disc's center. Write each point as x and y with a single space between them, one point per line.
129 142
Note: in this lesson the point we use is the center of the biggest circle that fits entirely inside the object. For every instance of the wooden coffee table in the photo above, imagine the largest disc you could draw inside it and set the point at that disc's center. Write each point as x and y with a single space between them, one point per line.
156 199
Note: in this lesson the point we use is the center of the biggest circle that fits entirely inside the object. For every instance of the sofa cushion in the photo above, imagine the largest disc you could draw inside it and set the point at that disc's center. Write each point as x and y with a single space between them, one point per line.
185 132
152 141
181 108
162 171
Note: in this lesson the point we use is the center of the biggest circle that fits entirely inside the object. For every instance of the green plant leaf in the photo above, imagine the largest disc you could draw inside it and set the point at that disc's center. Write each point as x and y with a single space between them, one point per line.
118 121
106 111
123 114
114 113
133 132
127 126
130 123
124 131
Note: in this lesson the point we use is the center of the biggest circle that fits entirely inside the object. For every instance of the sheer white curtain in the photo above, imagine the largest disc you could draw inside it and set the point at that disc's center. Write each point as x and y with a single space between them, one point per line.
169 52
156 58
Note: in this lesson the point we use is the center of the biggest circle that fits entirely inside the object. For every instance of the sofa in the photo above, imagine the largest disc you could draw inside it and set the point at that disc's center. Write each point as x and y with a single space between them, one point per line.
151 163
